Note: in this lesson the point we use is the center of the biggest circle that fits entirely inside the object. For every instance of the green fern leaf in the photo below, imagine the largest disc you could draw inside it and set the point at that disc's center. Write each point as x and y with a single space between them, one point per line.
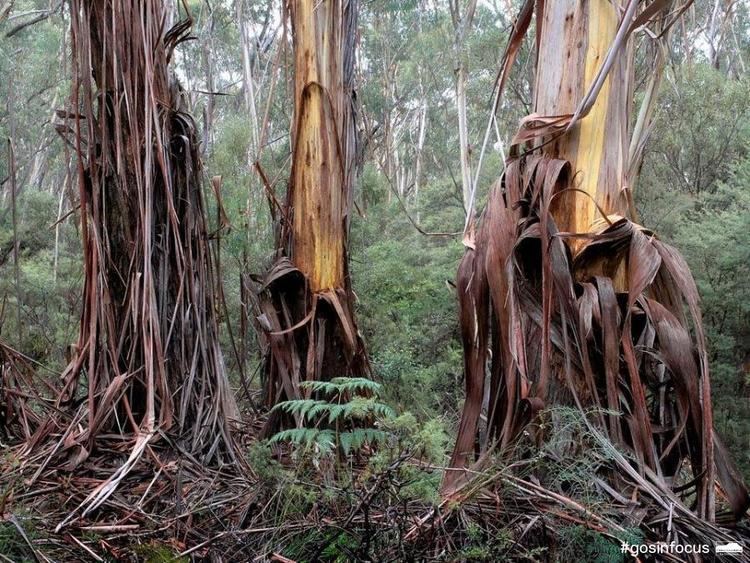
354 384
335 412
345 439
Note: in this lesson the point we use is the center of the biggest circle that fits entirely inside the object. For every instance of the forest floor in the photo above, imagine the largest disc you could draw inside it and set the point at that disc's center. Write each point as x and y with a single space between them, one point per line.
277 506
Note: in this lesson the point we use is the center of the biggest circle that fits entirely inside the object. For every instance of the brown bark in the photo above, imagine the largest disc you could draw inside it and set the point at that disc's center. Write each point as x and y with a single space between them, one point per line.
148 344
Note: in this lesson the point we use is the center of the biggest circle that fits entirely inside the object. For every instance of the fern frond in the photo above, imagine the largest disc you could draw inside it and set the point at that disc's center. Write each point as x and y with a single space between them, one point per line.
357 408
374 436
325 387
318 410
323 439
326 440
361 407
299 407
346 441
337 411
383 411
295 435
354 384
355 439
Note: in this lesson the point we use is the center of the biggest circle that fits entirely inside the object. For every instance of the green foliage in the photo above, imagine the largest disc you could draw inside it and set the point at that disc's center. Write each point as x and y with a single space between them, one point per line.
397 474
715 239
49 290
486 546
158 553
326 440
579 543
344 408
357 408
407 310
260 458
570 456
12 543
703 128
428 440
694 192
329 545
341 385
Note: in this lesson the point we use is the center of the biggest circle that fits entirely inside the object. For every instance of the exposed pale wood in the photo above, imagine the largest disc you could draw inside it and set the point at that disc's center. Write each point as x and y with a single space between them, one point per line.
419 149
305 309
320 191
574 39
462 22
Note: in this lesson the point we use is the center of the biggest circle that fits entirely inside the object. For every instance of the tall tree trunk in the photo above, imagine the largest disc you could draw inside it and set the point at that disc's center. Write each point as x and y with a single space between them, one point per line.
461 26
207 48
307 306
572 298
13 188
419 148
714 34
573 42
148 344
463 136
248 81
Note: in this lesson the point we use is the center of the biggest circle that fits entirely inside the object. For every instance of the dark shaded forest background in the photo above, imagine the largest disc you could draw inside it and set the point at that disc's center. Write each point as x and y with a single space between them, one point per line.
693 191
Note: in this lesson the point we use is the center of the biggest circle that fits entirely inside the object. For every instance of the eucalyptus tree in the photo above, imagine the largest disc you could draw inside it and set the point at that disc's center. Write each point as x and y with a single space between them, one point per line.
571 301
147 351
307 305
462 21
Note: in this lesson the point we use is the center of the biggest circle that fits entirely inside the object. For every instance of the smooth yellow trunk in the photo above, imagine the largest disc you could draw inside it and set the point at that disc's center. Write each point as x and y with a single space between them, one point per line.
320 180
575 38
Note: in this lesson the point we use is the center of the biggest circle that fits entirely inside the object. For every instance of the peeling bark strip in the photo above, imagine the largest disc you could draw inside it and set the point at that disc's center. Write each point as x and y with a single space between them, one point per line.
578 304
306 306
148 346
23 408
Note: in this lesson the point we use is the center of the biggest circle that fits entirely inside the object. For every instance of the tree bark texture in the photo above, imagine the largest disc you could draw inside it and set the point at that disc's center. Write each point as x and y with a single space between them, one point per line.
572 303
306 305
148 349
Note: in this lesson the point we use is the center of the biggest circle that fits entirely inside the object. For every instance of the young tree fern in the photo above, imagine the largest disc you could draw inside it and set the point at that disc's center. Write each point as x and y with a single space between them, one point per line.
341 422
